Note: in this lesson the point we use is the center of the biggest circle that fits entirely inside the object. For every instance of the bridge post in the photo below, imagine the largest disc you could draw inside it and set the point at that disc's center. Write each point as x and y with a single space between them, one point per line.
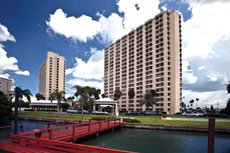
79 122
73 133
50 133
21 128
48 125
89 125
99 125
211 134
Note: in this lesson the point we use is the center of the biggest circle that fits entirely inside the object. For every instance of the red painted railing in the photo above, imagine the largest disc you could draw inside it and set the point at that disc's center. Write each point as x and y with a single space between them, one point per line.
52 139
59 146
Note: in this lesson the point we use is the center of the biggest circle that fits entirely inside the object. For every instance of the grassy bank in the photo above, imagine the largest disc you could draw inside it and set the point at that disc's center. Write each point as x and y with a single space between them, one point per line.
142 119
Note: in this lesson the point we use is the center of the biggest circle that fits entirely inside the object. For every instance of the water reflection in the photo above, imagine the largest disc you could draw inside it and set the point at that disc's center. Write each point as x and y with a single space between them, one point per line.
149 141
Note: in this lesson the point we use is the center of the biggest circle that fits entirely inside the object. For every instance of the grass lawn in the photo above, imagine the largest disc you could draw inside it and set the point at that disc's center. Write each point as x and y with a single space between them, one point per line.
159 121
142 119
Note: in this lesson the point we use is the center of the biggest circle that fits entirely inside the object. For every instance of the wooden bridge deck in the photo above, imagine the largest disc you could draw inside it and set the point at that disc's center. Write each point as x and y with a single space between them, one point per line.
55 139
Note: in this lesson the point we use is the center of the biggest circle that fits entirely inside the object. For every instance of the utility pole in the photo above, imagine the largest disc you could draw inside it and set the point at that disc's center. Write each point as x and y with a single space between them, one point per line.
217 106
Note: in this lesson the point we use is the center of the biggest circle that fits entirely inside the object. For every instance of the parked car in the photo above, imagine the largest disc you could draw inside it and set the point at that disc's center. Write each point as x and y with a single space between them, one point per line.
132 113
192 114
71 110
100 113
148 113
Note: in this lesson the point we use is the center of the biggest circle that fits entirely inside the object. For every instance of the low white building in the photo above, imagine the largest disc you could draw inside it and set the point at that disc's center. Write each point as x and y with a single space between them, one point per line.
107 105
44 105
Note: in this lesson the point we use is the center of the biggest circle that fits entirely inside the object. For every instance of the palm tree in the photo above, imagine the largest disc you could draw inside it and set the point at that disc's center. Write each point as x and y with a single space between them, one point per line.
103 95
117 94
18 95
149 99
86 96
228 87
39 96
197 99
191 102
59 96
131 93
21 94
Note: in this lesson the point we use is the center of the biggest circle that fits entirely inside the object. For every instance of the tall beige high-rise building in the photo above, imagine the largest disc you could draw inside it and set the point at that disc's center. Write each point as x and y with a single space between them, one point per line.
149 57
5 85
52 75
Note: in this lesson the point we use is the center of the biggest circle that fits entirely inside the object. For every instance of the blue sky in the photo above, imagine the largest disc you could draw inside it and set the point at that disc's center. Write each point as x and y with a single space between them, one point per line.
79 30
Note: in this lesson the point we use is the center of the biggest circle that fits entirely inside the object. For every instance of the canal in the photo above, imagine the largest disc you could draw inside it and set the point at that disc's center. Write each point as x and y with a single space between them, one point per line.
150 141
144 141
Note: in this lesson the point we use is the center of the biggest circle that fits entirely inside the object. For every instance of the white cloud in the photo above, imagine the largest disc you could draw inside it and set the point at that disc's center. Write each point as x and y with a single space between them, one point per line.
88 73
6 76
188 75
5 35
107 29
81 28
69 71
8 63
207 26
26 73
93 68
206 43
206 99
83 82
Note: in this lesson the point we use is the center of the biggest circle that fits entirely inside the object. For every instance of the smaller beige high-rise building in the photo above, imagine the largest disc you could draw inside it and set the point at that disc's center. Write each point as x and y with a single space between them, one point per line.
52 75
5 85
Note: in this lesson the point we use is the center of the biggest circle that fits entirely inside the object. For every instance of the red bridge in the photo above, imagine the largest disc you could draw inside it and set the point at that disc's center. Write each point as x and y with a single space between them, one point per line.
56 139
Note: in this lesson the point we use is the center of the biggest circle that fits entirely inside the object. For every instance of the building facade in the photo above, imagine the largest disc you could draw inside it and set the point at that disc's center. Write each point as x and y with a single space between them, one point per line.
5 85
149 57
52 75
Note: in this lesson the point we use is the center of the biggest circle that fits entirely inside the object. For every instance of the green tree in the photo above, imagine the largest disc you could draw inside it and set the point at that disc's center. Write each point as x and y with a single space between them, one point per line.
86 96
131 93
227 108
5 107
183 105
59 96
117 94
21 93
228 87
149 99
103 95
191 102
197 99
39 96
71 98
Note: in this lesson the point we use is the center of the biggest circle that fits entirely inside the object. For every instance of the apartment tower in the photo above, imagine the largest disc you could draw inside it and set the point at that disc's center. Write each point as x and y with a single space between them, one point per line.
52 75
5 85
149 57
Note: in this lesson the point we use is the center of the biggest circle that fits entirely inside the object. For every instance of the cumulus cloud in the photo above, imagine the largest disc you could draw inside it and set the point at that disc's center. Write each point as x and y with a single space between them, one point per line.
25 73
81 28
206 98
5 34
8 63
89 72
206 43
108 29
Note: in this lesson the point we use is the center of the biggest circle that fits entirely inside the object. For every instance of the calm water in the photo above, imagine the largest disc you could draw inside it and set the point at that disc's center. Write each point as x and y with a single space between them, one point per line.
150 141
145 141
28 125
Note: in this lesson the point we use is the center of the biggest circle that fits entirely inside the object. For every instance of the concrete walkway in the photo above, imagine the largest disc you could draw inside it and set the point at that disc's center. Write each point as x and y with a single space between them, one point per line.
198 119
